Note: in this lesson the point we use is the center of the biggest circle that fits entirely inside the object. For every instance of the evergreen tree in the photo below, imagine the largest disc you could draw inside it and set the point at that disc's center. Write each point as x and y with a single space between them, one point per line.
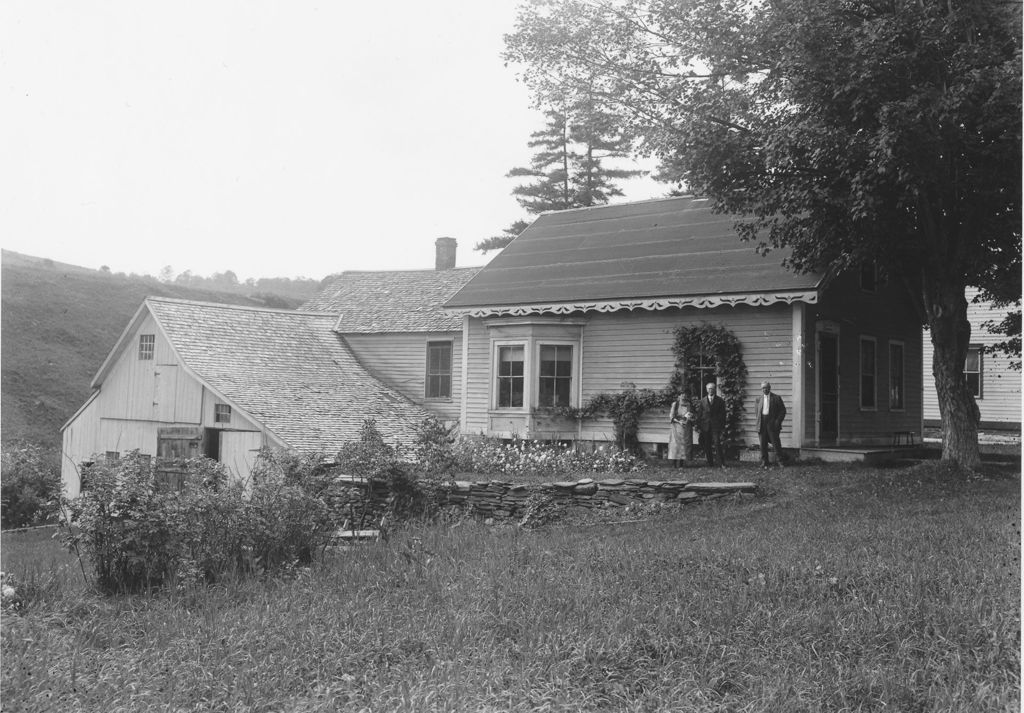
569 169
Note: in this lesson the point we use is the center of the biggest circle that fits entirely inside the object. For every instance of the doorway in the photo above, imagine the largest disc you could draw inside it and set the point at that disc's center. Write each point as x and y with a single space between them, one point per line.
828 386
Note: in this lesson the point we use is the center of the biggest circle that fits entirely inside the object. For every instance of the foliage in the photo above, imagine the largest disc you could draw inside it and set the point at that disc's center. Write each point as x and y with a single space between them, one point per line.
434 449
845 131
626 408
725 351
136 536
520 458
29 484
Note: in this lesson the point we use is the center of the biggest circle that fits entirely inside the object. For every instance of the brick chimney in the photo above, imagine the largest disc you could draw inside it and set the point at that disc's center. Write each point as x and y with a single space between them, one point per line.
445 253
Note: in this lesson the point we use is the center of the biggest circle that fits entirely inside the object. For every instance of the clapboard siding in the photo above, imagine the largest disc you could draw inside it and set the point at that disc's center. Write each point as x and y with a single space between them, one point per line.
95 431
150 389
636 347
400 361
887 316
1000 402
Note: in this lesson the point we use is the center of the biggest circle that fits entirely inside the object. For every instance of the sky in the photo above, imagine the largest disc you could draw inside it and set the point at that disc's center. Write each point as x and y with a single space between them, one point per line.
272 139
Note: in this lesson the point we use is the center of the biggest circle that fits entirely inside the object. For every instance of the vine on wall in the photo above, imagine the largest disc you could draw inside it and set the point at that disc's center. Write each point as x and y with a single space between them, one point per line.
694 348
705 343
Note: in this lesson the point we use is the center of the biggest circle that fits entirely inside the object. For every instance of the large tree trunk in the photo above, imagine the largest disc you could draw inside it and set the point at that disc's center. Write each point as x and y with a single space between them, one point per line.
951 336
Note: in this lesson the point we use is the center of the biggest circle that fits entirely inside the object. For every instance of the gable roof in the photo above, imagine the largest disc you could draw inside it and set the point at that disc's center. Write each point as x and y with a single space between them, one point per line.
647 255
393 301
287 370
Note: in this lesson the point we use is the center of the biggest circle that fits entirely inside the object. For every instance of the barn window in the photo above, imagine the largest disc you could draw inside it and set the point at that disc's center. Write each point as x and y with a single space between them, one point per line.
511 376
439 370
972 370
147 344
868 373
112 457
896 383
555 386
221 413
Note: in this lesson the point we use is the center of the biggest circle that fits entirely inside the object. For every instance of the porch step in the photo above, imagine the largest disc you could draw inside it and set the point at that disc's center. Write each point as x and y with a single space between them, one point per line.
863 454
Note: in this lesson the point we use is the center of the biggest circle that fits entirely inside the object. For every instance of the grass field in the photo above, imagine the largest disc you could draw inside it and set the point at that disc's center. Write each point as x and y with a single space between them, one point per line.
836 589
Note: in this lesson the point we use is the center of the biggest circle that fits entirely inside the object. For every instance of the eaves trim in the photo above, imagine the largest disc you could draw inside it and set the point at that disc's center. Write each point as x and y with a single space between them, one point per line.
753 299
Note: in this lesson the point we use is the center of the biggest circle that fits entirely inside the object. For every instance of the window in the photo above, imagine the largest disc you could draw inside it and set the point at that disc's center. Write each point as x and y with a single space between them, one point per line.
896 387
221 413
869 277
510 377
439 370
972 370
700 371
868 372
555 385
147 343
112 457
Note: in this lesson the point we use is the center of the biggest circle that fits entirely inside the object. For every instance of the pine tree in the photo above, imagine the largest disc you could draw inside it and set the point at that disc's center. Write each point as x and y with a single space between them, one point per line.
568 169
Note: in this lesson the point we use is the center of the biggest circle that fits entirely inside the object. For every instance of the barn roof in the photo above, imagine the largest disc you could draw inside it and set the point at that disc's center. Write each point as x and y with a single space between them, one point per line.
392 301
648 255
286 369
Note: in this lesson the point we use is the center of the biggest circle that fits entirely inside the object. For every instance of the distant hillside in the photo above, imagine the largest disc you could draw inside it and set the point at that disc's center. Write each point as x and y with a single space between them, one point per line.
57 324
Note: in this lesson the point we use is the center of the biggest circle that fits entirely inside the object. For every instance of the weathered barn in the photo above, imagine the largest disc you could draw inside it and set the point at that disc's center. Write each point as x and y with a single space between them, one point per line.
192 379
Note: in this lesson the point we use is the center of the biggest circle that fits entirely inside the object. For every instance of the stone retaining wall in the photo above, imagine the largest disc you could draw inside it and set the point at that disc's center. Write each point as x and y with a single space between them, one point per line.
501 499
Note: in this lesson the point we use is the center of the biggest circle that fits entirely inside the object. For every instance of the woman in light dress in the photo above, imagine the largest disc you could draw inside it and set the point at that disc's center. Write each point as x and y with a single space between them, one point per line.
680 442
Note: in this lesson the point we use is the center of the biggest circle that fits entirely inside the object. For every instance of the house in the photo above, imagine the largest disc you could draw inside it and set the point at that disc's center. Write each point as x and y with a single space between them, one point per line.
581 303
585 300
192 379
995 384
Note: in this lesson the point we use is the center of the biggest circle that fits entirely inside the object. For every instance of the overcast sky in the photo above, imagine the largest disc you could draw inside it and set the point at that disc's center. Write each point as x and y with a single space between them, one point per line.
268 138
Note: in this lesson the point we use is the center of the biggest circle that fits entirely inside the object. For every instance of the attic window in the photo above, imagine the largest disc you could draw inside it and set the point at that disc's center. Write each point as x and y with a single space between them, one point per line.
147 344
870 276
221 413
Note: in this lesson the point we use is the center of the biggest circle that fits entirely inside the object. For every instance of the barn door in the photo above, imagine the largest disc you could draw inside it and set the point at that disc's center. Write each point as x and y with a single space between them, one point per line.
828 386
173 447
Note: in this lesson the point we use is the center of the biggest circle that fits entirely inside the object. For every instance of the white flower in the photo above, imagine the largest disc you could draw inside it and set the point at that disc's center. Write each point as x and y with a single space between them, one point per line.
7 592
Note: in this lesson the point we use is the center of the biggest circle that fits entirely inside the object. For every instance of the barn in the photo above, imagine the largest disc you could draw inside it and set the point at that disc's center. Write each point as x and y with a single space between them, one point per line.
190 379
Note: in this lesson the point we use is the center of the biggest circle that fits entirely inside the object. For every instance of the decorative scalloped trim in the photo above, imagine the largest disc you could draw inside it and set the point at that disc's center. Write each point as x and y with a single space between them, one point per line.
759 299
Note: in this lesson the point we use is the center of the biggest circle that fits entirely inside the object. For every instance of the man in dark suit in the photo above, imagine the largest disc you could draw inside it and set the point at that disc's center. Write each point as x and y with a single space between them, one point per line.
770 411
711 419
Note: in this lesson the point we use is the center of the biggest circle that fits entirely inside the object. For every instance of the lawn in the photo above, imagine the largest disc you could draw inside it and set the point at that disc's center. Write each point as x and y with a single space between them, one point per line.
835 588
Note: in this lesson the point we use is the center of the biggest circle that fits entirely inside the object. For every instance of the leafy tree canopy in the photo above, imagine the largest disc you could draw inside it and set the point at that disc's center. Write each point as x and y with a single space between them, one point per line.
845 131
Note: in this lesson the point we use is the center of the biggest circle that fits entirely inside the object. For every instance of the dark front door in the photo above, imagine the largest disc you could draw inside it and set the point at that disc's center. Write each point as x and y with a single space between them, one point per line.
828 387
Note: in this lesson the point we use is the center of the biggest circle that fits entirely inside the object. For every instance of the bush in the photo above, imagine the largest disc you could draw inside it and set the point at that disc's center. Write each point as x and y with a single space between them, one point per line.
29 485
134 536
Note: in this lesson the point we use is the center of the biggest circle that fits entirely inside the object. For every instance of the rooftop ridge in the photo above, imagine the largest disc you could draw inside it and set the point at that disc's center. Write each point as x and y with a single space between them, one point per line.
621 204
244 308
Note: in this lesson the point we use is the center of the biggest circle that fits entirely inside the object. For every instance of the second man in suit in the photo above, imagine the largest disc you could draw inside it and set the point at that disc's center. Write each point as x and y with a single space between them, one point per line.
770 411
711 420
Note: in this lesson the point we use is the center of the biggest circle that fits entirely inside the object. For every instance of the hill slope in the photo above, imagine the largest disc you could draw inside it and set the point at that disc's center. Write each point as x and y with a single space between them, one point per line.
58 322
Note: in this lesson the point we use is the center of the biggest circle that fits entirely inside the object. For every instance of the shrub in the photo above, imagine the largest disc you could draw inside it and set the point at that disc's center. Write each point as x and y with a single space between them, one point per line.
29 485
136 537
434 449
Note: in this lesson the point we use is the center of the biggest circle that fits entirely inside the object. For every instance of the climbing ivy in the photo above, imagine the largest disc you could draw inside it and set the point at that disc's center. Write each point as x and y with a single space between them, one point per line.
718 345
625 408
703 343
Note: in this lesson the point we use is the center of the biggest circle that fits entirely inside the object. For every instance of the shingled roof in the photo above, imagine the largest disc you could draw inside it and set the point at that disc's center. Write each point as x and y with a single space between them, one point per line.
392 301
667 248
287 369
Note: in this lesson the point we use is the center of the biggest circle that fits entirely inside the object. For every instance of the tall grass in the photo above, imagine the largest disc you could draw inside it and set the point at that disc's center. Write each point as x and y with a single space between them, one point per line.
851 589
